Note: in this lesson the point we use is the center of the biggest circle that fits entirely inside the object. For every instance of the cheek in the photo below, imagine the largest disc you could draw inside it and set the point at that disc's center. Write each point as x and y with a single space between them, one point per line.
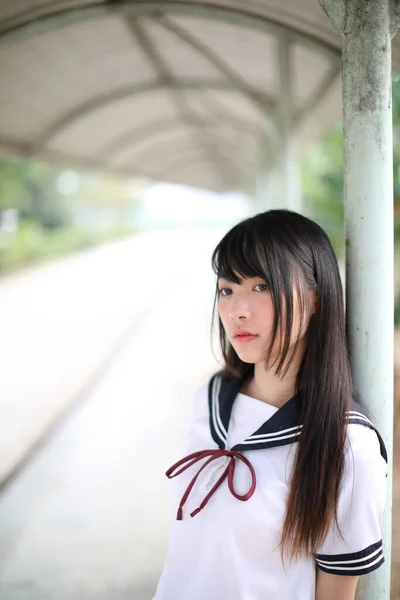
263 314
223 313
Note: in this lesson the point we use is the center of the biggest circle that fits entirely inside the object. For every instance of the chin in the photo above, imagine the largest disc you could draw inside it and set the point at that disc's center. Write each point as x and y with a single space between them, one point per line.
247 361
248 357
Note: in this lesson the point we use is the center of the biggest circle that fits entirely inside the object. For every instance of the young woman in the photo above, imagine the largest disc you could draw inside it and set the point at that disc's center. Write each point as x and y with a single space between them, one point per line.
282 492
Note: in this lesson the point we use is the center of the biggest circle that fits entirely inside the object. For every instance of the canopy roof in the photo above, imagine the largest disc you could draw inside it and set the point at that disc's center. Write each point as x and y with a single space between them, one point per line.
177 91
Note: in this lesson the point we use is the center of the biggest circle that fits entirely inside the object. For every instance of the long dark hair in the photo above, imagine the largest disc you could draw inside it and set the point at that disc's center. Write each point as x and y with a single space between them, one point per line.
285 248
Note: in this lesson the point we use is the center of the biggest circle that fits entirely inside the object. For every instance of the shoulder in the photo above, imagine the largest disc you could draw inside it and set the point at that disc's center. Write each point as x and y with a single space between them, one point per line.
198 425
202 394
366 456
363 437
207 394
209 388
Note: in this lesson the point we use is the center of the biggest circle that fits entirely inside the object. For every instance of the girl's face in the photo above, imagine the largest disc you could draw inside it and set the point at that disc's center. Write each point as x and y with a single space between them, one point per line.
249 306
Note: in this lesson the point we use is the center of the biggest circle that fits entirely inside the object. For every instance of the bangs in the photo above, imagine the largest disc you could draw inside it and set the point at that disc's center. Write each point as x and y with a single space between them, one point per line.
243 253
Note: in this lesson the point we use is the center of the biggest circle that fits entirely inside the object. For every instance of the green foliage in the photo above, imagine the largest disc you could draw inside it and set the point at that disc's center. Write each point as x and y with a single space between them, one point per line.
57 216
31 188
322 184
12 186
34 243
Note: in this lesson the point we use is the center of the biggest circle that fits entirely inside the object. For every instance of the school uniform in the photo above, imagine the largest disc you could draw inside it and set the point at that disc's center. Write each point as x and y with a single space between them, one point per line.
224 541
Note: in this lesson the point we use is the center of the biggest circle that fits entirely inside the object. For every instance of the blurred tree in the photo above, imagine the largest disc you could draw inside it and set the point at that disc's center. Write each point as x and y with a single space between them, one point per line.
322 184
12 185
31 189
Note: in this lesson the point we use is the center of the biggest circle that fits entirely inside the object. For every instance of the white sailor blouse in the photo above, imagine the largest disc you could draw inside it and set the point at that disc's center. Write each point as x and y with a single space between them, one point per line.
230 493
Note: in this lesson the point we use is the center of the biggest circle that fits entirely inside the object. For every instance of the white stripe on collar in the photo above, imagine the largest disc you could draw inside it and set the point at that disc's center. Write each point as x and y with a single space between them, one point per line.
218 425
220 415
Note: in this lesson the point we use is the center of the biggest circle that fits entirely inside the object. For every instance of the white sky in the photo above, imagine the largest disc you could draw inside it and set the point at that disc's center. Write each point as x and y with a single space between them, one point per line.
170 203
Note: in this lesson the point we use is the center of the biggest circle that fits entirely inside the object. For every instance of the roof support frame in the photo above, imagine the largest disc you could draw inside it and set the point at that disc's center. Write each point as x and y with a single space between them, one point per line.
170 179
320 93
161 152
263 104
175 165
175 127
133 11
287 160
160 156
205 143
145 132
185 169
234 15
18 150
158 11
119 94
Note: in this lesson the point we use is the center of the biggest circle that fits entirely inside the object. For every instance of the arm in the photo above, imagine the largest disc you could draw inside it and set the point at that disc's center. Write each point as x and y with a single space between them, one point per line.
332 587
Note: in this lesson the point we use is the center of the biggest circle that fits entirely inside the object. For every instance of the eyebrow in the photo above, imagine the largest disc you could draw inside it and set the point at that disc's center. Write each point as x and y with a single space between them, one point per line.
241 279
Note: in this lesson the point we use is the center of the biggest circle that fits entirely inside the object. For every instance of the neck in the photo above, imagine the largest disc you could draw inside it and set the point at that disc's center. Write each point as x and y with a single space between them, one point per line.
266 386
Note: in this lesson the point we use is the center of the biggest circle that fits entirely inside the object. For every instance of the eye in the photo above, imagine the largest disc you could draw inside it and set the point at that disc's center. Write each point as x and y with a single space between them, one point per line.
222 290
265 286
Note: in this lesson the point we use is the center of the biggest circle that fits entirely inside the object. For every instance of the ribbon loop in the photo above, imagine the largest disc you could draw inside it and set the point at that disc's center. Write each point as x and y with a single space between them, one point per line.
229 472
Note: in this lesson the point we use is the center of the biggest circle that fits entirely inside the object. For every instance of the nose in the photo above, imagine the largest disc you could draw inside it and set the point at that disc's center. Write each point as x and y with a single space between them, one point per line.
239 308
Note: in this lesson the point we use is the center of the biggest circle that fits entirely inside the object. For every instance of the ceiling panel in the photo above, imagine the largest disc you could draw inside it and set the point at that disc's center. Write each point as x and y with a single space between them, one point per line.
78 85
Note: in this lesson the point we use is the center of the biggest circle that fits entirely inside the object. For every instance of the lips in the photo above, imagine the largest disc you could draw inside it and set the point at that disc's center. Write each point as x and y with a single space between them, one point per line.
244 333
245 338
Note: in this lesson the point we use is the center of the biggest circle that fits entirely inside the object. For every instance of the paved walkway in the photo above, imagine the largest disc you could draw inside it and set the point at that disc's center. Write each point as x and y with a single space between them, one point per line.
90 514
62 322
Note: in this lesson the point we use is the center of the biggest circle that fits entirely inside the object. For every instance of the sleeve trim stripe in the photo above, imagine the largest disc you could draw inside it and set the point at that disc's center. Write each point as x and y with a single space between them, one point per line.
354 570
366 553
362 562
346 562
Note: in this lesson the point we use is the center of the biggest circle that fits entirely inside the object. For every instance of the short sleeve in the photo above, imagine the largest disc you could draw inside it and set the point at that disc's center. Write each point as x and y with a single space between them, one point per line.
361 504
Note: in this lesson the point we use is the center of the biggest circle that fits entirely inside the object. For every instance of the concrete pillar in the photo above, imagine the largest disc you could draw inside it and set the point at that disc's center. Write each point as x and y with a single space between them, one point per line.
288 160
269 190
268 179
278 181
366 27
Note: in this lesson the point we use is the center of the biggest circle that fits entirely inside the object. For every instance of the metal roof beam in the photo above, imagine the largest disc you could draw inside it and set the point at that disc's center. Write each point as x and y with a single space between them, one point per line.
235 15
63 159
321 92
185 169
263 104
99 102
140 134
157 61
174 165
175 125
266 129
18 149
163 152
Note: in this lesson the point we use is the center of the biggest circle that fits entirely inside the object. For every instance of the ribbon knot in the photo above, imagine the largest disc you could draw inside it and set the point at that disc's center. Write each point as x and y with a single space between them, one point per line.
229 471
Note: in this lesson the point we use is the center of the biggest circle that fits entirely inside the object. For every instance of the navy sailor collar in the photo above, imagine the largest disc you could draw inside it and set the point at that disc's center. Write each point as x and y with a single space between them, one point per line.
282 428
